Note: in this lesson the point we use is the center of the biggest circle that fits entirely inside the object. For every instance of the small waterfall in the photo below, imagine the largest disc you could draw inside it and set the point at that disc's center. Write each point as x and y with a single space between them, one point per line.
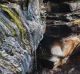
37 27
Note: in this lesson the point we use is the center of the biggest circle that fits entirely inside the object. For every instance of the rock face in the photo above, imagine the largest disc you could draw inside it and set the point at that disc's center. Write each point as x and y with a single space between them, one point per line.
20 34
60 39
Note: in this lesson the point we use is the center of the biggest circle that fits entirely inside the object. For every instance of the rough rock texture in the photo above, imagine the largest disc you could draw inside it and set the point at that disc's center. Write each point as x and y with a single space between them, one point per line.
20 34
59 26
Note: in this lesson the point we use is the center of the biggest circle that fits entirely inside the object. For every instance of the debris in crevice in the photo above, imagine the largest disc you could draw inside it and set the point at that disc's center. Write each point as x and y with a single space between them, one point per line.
60 39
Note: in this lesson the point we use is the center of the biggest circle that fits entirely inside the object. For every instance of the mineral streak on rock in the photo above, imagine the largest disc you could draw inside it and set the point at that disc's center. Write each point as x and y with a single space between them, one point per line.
20 33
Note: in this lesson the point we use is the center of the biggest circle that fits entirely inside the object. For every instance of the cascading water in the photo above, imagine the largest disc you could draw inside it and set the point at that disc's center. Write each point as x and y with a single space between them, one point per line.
37 26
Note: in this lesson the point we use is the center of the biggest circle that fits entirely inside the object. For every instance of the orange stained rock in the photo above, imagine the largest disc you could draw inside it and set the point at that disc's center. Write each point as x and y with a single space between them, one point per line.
69 45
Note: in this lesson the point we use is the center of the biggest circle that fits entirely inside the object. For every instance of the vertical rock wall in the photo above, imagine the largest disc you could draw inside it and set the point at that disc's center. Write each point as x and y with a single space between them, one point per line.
20 34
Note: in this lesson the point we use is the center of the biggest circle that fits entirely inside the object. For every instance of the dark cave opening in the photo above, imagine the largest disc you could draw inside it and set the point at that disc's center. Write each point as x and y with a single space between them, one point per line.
57 1
43 52
55 33
52 35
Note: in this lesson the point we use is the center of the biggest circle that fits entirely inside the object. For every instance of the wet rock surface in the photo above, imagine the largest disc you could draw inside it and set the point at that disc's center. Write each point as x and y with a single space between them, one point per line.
20 30
58 16
71 67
